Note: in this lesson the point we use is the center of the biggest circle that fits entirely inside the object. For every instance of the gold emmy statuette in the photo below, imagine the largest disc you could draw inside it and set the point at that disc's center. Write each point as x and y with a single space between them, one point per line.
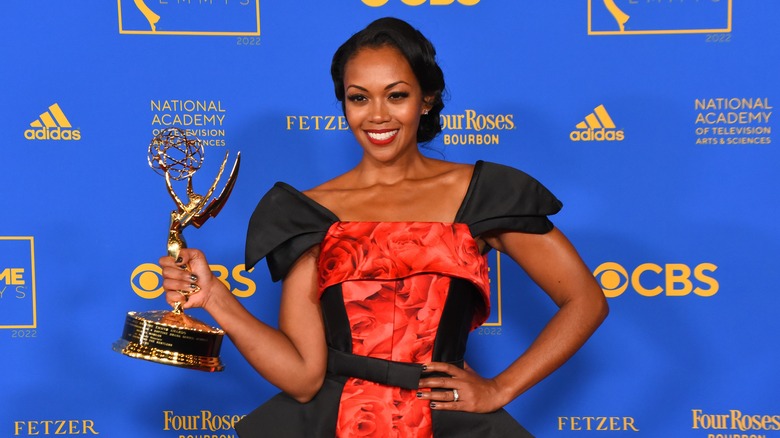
169 336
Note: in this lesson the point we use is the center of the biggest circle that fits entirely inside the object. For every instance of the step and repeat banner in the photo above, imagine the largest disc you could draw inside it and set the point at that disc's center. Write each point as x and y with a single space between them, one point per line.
653 121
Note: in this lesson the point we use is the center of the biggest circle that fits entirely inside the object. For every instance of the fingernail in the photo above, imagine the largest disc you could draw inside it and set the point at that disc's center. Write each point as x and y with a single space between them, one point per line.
194 277
433 405
419 395
178 260
424 367
193 286
183 267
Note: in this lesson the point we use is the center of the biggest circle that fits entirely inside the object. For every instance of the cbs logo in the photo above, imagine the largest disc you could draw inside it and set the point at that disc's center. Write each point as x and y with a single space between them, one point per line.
650 279
146 280
378 3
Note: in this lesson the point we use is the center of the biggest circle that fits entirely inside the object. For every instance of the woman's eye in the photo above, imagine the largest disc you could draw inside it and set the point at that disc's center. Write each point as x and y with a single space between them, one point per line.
356 98
398 95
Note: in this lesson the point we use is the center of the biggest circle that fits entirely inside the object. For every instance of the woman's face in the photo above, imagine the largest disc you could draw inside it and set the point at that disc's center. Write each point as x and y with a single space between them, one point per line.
383 103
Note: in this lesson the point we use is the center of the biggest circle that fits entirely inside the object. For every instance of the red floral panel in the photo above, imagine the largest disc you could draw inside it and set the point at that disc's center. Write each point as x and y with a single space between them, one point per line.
395 279
393 250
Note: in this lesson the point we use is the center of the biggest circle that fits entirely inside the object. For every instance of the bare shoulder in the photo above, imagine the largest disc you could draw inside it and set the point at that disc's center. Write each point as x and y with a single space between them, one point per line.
448 175
453 173
330 192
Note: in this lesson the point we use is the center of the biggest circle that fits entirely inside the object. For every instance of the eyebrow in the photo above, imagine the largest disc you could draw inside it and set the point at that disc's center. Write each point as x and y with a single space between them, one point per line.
386 88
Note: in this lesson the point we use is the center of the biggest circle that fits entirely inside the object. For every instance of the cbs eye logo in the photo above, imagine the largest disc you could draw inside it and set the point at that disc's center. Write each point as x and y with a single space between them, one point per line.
146 280
650 279
377 3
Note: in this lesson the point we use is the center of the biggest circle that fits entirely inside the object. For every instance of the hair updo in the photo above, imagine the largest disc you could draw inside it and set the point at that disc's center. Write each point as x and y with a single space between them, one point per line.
417 50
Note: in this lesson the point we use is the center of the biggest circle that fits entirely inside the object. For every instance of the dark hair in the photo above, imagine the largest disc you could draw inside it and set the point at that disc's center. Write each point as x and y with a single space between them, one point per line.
417 50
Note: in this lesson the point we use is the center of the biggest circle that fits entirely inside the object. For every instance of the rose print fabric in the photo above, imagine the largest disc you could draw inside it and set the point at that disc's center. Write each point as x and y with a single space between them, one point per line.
394 279
353 251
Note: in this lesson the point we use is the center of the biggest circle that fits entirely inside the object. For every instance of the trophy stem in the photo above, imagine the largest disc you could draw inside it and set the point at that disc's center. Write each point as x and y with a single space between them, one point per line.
175 244
175 239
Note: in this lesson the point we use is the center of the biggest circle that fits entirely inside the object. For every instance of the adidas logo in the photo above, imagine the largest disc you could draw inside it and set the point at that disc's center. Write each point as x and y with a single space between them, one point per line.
52 125
597 126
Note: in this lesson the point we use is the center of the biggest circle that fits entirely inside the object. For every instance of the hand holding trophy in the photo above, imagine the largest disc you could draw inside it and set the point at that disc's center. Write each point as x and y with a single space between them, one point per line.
171 337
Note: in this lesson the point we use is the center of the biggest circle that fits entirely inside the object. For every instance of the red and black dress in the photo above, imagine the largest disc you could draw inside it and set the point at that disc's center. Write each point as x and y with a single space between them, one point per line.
394 295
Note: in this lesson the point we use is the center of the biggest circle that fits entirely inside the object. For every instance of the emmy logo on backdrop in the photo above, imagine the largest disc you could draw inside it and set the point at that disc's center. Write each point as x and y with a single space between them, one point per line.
169 336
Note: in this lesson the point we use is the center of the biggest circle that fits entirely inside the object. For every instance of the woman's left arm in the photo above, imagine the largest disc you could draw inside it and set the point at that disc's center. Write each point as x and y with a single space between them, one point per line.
553 263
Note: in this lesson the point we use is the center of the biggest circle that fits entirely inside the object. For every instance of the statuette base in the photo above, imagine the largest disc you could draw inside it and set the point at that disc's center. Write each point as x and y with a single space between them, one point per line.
170 338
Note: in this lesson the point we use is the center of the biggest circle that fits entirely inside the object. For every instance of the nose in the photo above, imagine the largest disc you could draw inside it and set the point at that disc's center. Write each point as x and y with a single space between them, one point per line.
379 111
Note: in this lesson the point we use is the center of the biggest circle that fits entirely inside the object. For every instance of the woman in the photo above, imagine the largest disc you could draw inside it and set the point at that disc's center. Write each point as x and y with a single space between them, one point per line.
384 270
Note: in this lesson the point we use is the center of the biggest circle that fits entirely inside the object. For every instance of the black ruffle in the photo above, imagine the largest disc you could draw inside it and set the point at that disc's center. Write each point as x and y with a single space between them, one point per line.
284 225
504 198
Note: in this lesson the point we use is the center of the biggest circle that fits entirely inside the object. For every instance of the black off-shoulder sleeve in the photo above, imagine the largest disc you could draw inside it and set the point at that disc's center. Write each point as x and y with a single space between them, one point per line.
284 225
503 198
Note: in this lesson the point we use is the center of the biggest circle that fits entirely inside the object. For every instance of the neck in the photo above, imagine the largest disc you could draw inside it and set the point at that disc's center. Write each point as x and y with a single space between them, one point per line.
371 172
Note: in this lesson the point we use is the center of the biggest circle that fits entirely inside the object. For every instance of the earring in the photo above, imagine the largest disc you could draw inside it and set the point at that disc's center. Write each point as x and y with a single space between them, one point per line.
425 112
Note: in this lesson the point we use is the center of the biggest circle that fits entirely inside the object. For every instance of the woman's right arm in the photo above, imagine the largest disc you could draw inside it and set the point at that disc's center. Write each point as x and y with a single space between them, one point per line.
293 357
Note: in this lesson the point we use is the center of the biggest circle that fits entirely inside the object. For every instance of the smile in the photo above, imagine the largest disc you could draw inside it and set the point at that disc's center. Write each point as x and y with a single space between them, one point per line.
381 137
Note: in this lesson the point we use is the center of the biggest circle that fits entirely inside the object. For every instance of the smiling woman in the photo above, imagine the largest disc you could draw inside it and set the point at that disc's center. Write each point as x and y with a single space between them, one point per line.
383 103
418 58
385 273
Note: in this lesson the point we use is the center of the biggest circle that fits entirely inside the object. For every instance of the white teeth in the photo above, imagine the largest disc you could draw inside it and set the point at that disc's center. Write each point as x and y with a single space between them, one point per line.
382 136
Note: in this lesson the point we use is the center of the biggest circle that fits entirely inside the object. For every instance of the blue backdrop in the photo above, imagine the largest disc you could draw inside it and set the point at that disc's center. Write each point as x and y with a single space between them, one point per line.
652 121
